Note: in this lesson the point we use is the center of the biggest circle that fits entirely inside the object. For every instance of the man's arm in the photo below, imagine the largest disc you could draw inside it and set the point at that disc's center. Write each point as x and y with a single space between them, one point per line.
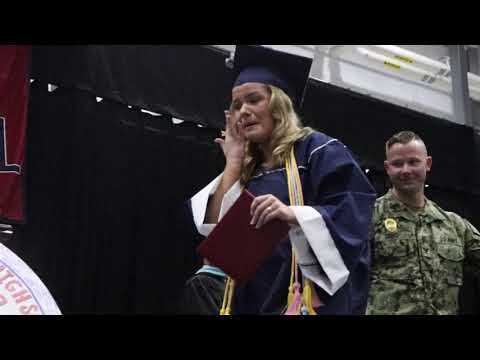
472 248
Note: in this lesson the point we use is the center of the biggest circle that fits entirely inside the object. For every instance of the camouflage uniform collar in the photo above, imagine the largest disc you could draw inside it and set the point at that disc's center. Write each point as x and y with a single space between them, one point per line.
397 207
429 213
432 211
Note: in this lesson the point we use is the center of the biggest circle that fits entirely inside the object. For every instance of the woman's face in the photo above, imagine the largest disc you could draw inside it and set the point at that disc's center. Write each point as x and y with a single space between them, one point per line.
250 109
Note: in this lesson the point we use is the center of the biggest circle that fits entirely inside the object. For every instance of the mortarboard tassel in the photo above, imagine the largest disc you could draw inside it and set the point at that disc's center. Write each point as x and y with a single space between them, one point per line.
296 300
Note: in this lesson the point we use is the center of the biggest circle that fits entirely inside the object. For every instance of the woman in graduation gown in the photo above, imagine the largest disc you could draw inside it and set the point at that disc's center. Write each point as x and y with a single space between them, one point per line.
329 234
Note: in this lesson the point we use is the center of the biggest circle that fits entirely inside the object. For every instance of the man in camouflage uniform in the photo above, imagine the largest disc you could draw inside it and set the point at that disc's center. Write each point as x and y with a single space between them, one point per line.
419 249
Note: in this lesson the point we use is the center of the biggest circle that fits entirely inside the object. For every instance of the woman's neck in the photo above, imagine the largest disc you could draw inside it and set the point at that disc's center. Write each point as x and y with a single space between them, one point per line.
414 201
267 155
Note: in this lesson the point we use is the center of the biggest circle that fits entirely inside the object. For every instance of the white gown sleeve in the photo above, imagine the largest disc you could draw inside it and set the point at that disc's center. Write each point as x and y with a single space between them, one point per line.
316 250
200 201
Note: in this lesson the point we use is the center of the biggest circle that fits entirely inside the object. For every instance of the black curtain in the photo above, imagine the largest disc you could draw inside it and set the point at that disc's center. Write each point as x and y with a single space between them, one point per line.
190 82
108 228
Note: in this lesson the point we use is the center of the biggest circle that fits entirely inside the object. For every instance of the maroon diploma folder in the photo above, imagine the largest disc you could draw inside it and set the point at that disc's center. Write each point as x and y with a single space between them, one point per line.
237 247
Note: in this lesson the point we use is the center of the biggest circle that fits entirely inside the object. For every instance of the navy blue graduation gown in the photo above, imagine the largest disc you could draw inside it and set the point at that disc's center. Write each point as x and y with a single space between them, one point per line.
335 186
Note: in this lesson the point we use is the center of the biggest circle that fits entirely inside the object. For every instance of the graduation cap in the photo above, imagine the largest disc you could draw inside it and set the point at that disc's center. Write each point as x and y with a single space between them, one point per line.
254 63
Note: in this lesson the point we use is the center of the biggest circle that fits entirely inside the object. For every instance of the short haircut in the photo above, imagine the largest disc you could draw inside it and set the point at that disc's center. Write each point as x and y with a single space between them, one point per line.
403 137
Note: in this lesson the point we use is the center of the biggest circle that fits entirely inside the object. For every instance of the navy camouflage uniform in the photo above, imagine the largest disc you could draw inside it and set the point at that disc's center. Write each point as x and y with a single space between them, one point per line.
419 258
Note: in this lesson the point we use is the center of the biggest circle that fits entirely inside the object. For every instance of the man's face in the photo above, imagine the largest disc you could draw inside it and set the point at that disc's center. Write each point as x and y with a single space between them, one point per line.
407 166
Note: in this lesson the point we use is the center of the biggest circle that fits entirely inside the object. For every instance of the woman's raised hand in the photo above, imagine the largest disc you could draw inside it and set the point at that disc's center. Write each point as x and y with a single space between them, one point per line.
233 145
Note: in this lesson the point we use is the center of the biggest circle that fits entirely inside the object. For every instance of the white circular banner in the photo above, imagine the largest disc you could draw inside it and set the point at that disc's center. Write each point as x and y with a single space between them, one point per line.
21 290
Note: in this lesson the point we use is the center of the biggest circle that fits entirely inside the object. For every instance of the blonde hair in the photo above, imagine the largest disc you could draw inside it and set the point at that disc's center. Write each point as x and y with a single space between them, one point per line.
288 129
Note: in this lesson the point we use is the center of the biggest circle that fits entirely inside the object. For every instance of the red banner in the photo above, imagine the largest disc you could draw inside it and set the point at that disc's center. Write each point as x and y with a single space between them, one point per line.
14 84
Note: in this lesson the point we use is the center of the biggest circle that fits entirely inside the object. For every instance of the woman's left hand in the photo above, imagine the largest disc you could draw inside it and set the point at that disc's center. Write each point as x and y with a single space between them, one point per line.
267 207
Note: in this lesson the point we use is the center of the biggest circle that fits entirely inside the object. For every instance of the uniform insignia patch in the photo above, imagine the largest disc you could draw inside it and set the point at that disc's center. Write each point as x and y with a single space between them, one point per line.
391 225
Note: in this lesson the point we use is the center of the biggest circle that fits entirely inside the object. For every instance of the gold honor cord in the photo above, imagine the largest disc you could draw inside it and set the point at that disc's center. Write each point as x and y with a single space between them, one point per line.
293 269
227 297
305 305
296 199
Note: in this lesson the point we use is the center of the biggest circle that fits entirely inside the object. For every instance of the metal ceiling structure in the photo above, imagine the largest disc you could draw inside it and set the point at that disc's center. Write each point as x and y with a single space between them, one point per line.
439 80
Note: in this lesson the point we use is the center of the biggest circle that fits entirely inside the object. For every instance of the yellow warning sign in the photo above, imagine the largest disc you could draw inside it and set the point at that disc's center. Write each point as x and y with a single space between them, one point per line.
388 63
404 59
